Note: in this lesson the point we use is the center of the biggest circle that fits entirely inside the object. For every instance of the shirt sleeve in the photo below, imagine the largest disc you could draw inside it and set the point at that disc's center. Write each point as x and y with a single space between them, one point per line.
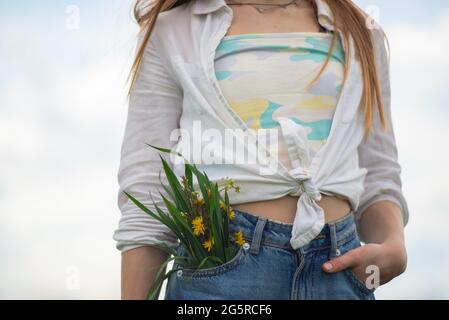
153 113
379 154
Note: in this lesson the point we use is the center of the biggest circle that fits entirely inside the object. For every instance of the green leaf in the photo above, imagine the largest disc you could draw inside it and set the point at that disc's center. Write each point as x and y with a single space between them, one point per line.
197 250
166 150
218 223
141 206
226 221
159 279
188 174
165 187
203 184
176 228
181 200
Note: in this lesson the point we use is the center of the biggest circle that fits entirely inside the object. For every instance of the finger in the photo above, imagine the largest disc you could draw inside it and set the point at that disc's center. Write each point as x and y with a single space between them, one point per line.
349 259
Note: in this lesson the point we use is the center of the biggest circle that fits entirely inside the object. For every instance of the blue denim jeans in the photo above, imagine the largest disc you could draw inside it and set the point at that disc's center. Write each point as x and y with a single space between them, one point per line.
269 268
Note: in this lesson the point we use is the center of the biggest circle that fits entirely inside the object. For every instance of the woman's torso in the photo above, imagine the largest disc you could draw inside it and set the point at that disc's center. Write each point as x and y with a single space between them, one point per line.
292 19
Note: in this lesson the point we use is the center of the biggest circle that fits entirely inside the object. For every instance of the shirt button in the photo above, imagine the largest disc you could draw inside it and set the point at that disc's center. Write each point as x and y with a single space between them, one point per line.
246 246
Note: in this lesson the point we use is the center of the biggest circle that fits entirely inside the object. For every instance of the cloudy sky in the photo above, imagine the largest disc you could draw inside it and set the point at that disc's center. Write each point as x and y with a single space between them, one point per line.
62 115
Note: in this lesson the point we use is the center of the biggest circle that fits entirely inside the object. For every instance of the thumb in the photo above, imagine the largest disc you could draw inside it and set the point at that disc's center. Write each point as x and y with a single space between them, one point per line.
347 260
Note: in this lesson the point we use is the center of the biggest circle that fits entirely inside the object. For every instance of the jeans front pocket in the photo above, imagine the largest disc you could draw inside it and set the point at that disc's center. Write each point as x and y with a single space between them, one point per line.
218 282
217 270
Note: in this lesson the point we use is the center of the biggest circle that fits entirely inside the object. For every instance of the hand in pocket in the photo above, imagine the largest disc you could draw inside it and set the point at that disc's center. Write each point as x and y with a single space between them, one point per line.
363 260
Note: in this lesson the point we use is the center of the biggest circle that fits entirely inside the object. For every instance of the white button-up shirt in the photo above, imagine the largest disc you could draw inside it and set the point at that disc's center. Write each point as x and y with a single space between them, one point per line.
176 88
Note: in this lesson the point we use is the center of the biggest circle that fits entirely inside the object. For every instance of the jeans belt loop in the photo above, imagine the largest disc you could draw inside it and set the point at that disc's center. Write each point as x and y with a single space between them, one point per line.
335 252
257 236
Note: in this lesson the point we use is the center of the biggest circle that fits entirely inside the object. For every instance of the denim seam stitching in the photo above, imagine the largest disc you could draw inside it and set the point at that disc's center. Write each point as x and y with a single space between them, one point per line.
218 270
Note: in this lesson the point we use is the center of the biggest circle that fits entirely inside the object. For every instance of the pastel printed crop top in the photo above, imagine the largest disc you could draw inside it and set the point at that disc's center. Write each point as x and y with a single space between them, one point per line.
266 75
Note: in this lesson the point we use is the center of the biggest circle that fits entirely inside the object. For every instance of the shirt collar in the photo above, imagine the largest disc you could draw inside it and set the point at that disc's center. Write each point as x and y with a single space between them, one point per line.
325 16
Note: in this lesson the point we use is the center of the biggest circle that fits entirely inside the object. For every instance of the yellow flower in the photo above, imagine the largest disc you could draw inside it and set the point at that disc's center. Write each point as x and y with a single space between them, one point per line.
222 205
199 201
231 214
209 193
198 226
208 244
239 238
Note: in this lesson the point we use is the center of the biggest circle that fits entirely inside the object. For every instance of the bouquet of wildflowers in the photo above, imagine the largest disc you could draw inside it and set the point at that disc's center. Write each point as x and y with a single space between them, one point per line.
199 218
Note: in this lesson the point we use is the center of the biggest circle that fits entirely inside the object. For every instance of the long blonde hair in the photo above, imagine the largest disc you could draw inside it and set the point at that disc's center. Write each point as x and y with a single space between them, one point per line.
348 18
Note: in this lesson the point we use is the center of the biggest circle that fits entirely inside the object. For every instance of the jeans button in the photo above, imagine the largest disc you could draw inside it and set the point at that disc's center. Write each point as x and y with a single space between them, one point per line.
179 273
246 246
337 252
